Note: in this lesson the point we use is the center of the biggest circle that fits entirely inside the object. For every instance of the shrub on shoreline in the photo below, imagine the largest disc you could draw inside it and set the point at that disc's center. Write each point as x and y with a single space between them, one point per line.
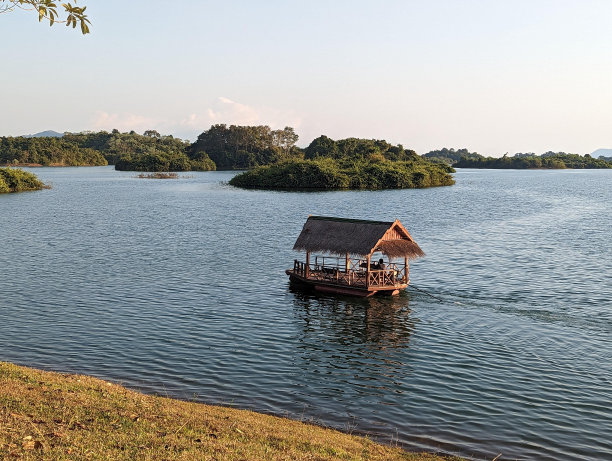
158 175
17 180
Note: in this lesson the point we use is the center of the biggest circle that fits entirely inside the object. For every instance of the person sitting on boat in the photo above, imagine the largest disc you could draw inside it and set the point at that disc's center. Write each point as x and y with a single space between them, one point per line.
381 264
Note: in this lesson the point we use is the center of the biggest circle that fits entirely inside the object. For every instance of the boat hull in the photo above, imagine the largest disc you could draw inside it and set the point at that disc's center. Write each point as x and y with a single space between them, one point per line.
341 289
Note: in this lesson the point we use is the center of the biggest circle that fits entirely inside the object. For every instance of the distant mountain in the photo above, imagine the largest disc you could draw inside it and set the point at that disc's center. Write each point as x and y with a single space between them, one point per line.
45 134
602 152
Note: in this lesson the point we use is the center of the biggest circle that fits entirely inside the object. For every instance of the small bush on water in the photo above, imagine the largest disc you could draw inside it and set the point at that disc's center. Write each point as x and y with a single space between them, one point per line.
159 175
16 180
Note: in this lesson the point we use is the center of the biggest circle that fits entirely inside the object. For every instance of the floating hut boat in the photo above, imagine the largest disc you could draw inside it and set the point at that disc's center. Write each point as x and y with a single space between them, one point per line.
368 257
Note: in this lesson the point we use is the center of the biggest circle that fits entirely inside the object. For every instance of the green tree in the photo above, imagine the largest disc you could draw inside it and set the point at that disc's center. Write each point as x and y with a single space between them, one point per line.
239 147
152 134
47 10
321 147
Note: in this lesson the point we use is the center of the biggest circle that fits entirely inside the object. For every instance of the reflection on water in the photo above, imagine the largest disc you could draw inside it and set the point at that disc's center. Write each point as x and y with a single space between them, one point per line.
378 322
357 349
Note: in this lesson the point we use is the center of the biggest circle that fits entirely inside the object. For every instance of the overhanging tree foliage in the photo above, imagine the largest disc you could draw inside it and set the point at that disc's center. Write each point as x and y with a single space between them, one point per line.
47 10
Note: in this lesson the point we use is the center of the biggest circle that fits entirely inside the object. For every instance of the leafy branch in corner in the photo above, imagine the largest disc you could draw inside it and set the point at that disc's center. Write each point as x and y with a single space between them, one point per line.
47 10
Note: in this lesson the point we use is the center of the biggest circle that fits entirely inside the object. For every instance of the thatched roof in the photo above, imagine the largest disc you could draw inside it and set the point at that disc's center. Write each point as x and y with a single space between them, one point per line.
356 237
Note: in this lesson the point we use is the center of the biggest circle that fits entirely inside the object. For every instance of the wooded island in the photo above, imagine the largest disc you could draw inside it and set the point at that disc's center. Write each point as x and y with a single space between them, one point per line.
348 164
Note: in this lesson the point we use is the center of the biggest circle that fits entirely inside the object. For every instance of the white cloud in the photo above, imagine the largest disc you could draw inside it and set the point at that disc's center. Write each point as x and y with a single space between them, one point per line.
227 111
222 110
123 122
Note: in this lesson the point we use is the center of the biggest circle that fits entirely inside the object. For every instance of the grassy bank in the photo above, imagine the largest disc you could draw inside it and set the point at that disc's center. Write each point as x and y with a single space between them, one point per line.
46 415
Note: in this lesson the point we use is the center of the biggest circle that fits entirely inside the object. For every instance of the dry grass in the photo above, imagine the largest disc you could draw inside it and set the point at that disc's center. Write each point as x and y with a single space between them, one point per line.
47 415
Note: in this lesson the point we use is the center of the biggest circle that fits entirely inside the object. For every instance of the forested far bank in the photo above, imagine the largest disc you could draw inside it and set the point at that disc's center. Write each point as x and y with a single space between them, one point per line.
549 160
237 147
462 158
47 151
88 148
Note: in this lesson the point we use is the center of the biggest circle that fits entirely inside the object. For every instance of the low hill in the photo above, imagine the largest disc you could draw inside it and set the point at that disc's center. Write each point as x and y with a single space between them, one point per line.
605 153
45 134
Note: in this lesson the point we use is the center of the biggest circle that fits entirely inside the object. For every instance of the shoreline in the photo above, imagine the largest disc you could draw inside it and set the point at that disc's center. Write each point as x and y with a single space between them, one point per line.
52 415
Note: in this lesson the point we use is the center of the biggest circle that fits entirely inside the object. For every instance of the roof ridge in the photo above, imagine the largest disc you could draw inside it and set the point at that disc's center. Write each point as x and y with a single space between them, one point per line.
351 220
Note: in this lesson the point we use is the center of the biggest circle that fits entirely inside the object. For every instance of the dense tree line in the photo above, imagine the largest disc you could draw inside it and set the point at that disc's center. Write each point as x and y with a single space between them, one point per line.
549 160
47 151
241 147
116 146
164 161
450 156
128 151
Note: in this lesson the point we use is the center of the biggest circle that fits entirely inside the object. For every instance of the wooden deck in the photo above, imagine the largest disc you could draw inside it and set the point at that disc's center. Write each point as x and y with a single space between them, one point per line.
350 277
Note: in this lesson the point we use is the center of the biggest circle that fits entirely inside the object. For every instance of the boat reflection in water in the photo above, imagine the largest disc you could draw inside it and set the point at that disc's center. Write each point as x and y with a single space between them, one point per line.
377 322
357 349
365 336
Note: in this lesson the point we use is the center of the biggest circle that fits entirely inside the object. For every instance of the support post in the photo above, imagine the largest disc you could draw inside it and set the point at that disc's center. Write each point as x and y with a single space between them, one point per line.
406 269
307 263
368 272
347 269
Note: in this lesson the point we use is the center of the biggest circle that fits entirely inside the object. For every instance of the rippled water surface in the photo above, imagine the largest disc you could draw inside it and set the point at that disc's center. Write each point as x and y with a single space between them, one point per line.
178 287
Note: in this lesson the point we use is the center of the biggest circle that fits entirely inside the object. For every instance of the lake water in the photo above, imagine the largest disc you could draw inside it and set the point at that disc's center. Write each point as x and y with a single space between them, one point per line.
178 287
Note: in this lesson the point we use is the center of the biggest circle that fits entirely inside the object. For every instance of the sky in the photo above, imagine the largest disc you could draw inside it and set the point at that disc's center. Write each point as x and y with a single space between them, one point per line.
494 77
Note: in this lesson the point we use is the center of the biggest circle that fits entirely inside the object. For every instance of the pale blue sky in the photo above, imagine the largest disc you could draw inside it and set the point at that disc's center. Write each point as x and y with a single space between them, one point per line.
492 76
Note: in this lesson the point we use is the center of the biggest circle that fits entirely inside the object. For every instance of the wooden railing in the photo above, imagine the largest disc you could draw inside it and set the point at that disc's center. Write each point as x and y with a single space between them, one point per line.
299 268
354 275
387 277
